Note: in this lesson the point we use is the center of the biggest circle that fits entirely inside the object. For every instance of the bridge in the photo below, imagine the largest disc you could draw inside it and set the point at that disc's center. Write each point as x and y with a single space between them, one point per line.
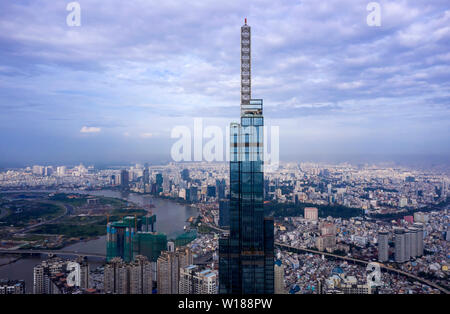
54 252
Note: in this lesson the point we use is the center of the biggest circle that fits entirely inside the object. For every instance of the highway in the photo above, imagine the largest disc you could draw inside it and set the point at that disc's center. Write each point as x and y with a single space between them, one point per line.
60 253
350 259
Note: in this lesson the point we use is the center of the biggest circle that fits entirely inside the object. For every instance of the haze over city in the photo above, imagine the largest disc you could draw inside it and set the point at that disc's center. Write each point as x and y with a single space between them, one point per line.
224 154
111 90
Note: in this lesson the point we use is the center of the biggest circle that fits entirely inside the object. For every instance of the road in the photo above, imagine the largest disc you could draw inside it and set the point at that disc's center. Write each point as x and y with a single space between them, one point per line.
351 259
68 209
62 253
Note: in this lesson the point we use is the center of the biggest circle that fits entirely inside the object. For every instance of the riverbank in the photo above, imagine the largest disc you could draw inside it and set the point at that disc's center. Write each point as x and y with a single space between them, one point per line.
11 261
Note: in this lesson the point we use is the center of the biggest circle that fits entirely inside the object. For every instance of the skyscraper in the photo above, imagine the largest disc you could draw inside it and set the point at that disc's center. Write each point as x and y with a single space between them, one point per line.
220 188
119 239
407 245
124 240
84 271
128 278
419 238
124 179
140 276
246 254
169 264
279 277
43 272
224 213
116 277
400 256
413 241
383 246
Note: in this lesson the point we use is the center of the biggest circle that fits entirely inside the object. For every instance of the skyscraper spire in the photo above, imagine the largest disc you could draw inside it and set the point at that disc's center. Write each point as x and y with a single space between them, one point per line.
245 64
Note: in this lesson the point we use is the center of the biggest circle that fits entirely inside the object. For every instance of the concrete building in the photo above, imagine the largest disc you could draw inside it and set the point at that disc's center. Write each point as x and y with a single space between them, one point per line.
419 238
128 278
43 272
383 246
168 269
326 242
413 243
279 277
408 239
12 287
84 272
311 213
197 280
400 243
116 277
140 276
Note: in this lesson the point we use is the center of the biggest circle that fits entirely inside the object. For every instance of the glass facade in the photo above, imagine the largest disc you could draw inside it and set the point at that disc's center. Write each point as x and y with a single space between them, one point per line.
246 254
246 258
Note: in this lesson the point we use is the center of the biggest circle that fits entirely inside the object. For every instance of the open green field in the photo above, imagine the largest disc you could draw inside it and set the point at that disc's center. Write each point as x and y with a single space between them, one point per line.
69 230
33 208
22 212
81 200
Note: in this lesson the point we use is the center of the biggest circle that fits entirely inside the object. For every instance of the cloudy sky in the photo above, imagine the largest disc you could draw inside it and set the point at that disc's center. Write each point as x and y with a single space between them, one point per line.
112 89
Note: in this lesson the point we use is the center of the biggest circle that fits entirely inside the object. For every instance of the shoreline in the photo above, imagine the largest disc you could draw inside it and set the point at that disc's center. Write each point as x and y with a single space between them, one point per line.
11 261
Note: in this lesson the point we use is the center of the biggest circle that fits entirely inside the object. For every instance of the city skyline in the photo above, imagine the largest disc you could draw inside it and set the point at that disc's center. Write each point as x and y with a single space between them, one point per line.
128 167
110 90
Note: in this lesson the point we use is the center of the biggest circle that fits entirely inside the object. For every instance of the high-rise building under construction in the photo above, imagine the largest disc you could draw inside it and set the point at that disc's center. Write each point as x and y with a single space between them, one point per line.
134 236
246 255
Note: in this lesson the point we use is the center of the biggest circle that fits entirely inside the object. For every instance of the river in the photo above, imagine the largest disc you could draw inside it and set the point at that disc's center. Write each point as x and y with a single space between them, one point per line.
170 219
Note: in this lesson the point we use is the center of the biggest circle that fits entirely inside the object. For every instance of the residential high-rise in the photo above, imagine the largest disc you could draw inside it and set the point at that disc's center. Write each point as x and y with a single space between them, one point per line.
43 272
400 243
197 280
141 276
128 278
408 240
279 277
57 276
246 254
116 277
84 272
413 241
383 246
419 238
168 273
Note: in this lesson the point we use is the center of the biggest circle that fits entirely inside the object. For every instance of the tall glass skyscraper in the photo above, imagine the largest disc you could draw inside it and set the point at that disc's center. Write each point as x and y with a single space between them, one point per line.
246 254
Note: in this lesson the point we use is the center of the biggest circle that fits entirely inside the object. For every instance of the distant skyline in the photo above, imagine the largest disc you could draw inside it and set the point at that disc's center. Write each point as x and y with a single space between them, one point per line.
111 90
